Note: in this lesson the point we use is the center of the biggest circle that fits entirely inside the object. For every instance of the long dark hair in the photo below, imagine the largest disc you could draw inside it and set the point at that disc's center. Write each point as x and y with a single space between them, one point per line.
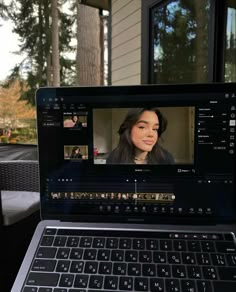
124 152
73 152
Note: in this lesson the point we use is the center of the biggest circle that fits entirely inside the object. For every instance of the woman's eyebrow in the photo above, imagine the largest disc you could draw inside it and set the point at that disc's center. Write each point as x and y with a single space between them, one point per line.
146 122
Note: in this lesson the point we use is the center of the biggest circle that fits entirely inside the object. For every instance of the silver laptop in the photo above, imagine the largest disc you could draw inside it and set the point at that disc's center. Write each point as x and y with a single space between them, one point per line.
137 189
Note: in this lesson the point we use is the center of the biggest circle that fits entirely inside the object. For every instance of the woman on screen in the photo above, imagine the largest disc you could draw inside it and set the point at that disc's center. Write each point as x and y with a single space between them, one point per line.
139 136
76 153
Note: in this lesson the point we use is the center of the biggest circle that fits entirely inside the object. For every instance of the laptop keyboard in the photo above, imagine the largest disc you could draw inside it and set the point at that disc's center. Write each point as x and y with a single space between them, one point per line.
72 260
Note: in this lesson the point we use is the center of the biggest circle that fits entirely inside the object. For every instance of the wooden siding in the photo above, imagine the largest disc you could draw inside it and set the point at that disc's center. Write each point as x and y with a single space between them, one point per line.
126 42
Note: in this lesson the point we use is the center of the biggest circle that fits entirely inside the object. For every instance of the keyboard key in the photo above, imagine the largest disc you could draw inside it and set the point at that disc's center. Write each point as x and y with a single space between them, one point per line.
138 243
119 268
46 252
188 286
180 245
76 253
134 269
81 281
224 286
60 241
203 259
174 257
218 259
209 273
63 266
103 255
96 282
163 271
178 271
72 241
156 285
149 270
126 283
99 243
43 279
47 240
141 284
208 246
166 245
66 280
159 257
85 242
194 246
125 243
111 282
117 255
226 246
30 289
77 267
44 265
91 267
145 256
50 231
204 286
90 254
194 272
63 253
231 258
172 285
228 274
112 243
188 258
105 268
151 244
131 256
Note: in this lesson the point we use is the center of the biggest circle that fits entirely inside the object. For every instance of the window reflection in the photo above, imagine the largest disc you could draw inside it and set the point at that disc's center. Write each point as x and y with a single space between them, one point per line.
180 42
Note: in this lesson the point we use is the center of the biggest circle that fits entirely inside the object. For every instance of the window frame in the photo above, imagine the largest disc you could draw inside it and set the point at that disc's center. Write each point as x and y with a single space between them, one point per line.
217 33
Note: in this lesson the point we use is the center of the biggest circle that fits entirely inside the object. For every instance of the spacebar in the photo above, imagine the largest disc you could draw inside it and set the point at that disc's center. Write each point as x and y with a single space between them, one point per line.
224 286
43 279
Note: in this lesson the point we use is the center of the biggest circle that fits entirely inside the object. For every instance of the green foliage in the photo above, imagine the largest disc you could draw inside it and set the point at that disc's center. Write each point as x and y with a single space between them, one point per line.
32 23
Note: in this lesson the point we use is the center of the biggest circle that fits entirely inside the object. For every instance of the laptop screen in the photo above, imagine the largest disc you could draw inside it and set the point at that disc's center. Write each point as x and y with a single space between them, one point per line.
157 153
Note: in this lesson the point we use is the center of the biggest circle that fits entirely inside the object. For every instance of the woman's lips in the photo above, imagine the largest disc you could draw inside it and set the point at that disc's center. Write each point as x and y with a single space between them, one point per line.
148 142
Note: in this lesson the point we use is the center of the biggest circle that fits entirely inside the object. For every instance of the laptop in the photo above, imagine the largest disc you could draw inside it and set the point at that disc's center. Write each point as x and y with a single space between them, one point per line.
137 187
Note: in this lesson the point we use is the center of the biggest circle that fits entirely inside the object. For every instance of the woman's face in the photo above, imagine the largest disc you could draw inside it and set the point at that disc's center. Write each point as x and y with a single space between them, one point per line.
144 133
75 119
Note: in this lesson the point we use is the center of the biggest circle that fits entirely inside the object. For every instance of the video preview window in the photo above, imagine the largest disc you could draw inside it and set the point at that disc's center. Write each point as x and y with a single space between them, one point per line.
75 120
155 136
76 152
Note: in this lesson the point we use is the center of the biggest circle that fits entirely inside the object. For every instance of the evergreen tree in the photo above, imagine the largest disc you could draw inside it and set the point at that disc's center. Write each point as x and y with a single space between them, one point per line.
33 23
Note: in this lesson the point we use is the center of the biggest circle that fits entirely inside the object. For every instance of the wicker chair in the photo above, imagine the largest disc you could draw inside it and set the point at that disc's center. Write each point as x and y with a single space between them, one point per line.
19 190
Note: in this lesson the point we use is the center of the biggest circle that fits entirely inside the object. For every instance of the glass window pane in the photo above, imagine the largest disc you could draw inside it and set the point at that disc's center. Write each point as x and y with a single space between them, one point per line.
180 42
230 45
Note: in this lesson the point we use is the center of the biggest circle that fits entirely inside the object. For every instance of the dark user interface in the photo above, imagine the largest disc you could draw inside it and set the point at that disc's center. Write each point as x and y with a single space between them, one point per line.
198 141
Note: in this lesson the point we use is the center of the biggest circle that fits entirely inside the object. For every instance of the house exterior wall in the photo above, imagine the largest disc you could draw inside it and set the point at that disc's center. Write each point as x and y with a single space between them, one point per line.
125 42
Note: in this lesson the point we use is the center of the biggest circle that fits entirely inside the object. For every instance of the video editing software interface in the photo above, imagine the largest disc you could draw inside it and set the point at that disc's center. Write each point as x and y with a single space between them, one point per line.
78 132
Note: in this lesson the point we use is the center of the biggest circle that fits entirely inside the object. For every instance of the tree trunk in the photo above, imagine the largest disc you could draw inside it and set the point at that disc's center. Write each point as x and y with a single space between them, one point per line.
55 45
88 61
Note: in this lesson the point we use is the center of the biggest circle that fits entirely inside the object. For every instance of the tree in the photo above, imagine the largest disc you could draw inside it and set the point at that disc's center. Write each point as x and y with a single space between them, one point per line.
88 59
12 109
33 23
55 45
